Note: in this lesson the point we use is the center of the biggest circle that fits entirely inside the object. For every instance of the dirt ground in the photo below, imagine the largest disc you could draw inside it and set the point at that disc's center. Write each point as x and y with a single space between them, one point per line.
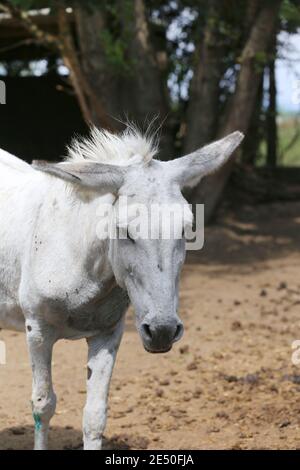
229 383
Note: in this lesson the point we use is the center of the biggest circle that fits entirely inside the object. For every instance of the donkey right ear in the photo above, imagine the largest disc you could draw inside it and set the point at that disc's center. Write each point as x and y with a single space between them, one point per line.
189 170
88 174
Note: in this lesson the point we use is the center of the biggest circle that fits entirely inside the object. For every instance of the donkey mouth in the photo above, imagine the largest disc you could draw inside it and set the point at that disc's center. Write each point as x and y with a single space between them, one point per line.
158 351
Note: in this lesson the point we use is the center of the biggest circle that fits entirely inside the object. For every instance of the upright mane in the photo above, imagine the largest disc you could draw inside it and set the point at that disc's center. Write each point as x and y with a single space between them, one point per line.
126 148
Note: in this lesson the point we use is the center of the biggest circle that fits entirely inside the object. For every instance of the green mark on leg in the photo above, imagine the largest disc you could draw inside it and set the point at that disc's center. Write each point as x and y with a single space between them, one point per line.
37 422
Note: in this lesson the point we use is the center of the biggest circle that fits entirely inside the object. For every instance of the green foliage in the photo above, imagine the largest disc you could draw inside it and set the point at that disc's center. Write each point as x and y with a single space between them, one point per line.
261 60
287 133
117 35
115 51
290 15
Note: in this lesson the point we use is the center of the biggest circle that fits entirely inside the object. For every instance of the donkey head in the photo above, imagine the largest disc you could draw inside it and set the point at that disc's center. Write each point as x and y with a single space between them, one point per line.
148 267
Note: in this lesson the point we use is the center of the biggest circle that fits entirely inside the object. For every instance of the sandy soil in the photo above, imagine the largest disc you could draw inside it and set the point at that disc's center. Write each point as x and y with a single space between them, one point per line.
230 382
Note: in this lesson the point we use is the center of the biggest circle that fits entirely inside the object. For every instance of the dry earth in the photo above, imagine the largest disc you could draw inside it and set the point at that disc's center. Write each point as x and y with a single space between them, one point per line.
230 382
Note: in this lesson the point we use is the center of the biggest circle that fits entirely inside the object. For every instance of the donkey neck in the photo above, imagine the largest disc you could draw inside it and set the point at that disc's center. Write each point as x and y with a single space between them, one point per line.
73 218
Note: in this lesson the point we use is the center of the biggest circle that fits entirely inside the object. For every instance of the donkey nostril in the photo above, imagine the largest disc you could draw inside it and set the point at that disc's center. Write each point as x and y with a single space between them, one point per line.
147 330
178 332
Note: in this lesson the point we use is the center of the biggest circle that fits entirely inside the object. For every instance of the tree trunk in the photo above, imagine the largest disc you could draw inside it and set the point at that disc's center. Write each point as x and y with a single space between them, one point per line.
101 79
82 89
255 133
144 93
240 106
252 10
202 113
271 120
132 88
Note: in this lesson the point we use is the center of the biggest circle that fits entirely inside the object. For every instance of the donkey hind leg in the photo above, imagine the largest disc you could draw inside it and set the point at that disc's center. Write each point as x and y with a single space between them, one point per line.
102 351
41 339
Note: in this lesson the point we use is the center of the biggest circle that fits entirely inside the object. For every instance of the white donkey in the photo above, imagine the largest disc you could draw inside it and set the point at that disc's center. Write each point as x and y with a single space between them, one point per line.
59 279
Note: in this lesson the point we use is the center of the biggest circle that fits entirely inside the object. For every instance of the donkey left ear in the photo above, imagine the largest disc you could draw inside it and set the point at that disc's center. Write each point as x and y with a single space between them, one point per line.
88 174
189 170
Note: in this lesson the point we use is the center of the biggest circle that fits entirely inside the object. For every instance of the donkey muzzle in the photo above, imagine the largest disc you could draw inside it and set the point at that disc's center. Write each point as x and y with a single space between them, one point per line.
158 337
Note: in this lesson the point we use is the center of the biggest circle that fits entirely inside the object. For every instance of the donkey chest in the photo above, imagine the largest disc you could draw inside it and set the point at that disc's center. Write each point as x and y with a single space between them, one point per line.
83 313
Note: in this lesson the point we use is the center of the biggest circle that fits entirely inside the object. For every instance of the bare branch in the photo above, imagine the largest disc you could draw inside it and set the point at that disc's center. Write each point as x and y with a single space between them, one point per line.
71 61
47 39
25 42
82 88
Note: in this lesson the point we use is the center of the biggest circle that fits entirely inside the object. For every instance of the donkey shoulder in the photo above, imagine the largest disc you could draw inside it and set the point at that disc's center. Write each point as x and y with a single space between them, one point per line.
14 163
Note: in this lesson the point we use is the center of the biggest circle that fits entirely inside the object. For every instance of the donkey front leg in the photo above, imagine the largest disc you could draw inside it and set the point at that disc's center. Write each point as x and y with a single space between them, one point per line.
41 338
102 351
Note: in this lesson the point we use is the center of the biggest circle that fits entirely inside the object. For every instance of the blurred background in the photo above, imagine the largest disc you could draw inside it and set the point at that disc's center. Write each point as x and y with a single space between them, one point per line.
205 68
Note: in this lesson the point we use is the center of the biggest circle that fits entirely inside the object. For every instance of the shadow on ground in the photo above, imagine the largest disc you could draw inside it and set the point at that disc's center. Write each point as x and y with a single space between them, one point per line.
250 235
61 438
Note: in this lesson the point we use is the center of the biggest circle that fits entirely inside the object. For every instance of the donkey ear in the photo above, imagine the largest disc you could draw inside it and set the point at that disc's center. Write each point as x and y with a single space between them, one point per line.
88 174
189 170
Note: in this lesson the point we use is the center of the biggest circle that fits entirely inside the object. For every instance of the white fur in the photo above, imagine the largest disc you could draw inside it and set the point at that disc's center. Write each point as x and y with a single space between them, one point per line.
13 162
130 147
